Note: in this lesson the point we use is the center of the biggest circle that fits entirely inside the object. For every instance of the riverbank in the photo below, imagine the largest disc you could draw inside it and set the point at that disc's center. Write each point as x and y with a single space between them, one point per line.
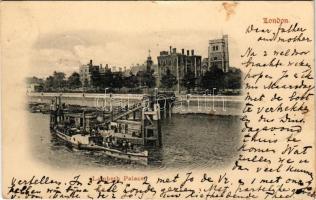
184 104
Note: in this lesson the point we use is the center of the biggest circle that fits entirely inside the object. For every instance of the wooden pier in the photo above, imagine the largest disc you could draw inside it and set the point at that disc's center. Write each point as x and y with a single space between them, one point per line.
138 123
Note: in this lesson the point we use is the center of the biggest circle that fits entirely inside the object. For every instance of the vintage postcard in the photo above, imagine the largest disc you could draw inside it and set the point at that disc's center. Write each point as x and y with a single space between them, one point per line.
157 100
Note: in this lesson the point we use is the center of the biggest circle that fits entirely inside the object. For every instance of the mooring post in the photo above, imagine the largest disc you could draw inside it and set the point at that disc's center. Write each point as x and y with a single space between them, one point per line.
84 121
82 102
158 125
158 116
169 109
56 110
164 111
111 115
143 126
53 114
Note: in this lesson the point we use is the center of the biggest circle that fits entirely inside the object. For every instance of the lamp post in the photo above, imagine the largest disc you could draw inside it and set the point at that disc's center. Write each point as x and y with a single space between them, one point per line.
156 94
206 93
223 98
214 98
188 101
105 97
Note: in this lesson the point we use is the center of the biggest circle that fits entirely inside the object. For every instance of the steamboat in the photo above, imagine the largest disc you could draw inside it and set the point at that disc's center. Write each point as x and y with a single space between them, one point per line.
126 133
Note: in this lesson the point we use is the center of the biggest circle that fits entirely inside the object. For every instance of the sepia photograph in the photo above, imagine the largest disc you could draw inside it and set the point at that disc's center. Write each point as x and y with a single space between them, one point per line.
163 99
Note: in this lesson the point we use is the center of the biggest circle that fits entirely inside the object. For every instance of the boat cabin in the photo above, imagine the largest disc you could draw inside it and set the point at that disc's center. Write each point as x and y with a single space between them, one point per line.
83 121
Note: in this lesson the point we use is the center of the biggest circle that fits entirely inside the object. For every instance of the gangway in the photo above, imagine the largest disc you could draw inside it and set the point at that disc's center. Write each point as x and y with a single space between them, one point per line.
130 110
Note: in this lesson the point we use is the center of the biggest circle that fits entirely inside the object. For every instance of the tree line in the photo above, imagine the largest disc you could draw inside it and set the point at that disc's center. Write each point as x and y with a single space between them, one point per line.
213 78
58 82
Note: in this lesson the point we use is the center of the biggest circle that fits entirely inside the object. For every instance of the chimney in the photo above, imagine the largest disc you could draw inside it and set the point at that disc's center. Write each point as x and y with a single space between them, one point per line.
174 50
182 51
101 66
170 49
106 66
188 52
192 52
90 63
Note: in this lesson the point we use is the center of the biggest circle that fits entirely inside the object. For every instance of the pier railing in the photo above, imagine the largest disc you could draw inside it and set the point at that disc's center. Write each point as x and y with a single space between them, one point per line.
125 112
87 95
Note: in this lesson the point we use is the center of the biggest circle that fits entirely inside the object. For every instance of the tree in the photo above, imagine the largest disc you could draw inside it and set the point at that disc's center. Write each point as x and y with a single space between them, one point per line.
168 80
149 79
188 80
49 83
146 78
233 79
131 81
96 79
85 83
38 82
214 78
106 79
74 81
34 79
59 80
117 81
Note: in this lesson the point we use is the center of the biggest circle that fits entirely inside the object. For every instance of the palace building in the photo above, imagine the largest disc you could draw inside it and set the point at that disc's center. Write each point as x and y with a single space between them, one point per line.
86 71
179 64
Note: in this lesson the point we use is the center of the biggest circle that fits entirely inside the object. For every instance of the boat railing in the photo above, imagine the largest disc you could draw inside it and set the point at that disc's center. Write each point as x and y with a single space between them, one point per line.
127 111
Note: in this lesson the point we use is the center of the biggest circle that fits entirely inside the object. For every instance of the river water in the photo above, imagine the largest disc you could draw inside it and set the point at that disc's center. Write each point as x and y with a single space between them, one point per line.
189 141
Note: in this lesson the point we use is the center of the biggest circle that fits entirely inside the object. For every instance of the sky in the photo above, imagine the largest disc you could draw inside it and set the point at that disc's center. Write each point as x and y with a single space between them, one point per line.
61 36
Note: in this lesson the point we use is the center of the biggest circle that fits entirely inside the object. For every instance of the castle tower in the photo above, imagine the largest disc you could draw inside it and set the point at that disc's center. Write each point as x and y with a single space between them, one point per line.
149 62
218 53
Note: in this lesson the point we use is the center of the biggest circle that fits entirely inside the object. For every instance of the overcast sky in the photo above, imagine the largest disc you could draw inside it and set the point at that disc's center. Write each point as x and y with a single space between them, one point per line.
63 35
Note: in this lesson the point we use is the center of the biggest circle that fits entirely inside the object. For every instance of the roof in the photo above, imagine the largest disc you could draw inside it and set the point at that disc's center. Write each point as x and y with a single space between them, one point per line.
80 115
129 122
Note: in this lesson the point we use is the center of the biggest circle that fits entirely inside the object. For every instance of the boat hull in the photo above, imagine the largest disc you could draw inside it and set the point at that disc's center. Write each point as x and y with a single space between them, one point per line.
141 158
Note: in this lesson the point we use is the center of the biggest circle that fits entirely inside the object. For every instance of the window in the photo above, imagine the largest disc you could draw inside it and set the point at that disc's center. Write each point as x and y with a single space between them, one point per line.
150 133
81 122
215 58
